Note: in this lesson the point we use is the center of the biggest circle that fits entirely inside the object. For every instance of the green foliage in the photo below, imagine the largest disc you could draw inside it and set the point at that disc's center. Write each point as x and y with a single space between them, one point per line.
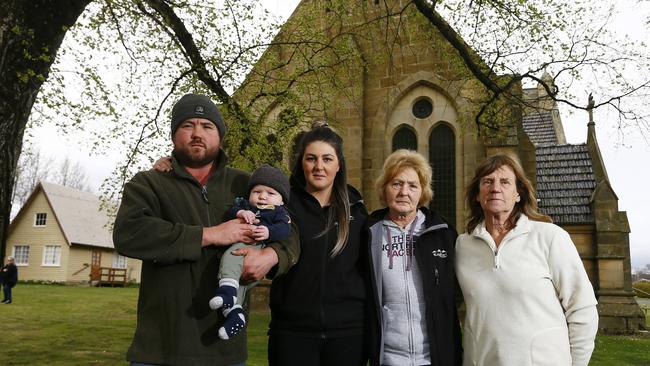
25 76
32 56
643 286
267 143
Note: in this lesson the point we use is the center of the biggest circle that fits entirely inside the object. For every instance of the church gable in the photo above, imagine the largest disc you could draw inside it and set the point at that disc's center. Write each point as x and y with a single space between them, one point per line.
605 193
332 61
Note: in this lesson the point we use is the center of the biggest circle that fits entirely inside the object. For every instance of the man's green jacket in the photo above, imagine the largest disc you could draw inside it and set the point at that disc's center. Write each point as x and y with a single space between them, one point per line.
160 221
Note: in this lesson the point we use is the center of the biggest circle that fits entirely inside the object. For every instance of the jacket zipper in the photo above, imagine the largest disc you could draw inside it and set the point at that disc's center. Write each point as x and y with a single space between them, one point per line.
322 280
408 295
435 272
204 194
430 321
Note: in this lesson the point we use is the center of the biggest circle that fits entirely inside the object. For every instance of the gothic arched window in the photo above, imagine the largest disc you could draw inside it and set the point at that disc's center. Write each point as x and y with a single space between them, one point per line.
405 139
442 157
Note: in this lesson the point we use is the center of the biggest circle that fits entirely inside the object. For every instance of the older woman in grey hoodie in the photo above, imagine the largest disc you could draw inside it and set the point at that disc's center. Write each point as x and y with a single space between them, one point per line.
412 271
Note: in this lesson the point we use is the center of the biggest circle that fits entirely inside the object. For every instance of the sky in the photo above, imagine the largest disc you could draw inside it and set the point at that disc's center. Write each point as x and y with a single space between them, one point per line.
624 158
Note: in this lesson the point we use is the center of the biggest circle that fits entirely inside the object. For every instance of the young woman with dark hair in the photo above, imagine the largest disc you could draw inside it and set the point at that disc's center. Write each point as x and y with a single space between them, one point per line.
318 309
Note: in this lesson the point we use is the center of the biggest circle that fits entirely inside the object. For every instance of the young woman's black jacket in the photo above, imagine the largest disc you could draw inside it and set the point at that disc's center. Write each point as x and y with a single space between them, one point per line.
435 256
322 296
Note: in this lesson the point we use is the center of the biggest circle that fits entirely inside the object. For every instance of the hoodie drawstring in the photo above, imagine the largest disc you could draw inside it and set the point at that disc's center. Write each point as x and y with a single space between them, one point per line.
390 248
409 247
410 244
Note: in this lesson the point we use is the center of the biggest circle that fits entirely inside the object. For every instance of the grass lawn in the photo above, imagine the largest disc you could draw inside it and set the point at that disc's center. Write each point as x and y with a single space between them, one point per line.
61 325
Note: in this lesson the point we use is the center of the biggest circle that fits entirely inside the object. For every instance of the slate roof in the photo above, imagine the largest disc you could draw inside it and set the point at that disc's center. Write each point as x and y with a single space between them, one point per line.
565 183
78 215
539 128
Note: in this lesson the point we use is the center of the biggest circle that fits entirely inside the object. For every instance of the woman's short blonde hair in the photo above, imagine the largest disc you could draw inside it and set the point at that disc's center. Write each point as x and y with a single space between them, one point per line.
395 163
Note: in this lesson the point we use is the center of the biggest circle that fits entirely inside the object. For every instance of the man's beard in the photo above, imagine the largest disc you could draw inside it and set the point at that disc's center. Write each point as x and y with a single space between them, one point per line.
185 158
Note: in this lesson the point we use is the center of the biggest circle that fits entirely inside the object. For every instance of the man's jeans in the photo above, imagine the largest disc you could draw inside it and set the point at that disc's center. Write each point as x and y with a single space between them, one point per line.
6 289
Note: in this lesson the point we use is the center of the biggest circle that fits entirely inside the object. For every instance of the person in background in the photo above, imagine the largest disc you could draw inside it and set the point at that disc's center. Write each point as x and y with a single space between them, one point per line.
529 300
9 278
319 308
412 265
173 222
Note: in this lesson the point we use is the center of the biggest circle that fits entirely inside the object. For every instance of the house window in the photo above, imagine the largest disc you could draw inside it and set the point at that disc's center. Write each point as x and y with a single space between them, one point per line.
21 255
405 138
40 219
442 157
119 261
52 255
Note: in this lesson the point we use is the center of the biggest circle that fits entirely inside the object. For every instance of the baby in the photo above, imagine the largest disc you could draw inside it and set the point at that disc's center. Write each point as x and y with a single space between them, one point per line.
268 191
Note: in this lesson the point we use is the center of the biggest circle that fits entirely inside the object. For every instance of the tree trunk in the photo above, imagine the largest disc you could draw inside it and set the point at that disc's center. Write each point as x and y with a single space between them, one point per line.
31 32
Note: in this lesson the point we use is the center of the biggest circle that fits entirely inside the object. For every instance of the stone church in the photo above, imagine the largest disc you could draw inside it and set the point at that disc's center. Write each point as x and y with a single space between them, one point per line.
399 84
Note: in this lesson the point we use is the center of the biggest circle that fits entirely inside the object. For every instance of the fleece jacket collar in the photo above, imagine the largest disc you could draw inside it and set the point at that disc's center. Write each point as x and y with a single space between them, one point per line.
522 227
221 161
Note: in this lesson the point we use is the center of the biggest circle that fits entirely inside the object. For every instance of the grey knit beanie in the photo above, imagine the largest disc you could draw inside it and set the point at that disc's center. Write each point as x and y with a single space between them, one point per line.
271 177
197 106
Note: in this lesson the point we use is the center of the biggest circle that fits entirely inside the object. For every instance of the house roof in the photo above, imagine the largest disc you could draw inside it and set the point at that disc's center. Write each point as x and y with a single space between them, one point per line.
539 128
78 215
565 183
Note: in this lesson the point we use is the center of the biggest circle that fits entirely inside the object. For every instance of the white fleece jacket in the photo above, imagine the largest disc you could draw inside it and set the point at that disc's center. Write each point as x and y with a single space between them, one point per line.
529 302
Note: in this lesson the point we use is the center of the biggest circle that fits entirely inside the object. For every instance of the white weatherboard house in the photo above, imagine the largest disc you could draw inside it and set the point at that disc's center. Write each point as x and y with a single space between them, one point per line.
61 235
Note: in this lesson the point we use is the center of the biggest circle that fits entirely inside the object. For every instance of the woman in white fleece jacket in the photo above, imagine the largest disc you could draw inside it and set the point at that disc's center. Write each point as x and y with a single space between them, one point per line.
529 300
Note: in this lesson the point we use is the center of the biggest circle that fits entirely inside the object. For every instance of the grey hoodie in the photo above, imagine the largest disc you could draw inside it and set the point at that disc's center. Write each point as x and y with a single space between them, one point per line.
403 300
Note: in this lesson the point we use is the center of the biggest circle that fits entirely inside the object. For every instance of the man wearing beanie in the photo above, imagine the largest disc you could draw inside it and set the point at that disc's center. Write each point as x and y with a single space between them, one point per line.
173 222
268 191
